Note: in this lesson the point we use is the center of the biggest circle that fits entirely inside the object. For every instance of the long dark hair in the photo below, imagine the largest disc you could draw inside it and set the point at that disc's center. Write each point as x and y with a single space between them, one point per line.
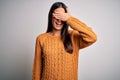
64 33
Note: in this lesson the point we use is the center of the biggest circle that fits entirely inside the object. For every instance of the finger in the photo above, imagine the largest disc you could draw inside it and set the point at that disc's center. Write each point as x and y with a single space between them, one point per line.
57 16
53 14
58 13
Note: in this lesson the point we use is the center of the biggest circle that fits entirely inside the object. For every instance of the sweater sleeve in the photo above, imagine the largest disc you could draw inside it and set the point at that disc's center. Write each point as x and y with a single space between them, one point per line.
36 73
85 35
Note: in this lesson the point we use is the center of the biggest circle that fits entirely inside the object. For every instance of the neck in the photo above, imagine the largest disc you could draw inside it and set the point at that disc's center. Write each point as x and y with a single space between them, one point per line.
56 32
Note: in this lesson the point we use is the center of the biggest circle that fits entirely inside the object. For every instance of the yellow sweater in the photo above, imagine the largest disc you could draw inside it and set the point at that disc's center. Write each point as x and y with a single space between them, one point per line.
52 62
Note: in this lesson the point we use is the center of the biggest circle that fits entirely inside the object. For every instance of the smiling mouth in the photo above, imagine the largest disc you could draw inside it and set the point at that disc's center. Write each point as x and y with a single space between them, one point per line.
58 23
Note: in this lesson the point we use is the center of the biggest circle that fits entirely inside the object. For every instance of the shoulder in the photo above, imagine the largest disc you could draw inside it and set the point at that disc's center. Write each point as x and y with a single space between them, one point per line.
41 37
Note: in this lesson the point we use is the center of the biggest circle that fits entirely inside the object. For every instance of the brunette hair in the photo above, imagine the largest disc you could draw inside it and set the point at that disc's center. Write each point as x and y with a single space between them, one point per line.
64 33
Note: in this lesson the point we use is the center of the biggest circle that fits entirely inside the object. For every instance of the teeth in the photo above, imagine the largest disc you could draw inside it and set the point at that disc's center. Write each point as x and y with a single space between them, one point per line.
58 23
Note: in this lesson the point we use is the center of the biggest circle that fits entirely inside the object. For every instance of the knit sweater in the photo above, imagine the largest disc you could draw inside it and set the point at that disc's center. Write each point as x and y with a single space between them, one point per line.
52 62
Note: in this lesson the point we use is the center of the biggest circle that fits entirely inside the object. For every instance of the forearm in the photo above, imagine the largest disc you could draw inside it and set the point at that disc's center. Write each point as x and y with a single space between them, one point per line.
85 31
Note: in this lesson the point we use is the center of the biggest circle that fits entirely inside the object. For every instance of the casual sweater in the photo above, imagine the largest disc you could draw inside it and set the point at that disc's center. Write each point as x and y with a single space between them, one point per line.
52 62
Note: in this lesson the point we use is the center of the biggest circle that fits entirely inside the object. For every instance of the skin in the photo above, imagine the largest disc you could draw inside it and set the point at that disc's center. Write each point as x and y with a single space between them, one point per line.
58 19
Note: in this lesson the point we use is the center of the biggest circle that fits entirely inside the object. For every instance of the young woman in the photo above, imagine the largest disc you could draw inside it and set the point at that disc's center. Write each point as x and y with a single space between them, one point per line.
57 50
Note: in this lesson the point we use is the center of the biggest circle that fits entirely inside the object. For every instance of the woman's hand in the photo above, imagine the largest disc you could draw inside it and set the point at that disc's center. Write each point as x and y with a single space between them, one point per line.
62 16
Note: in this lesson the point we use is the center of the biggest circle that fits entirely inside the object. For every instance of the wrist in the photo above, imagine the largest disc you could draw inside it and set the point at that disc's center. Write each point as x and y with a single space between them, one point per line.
68 17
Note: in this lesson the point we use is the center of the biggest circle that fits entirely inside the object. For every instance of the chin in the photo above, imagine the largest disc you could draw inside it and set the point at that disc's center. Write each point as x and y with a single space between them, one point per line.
58 29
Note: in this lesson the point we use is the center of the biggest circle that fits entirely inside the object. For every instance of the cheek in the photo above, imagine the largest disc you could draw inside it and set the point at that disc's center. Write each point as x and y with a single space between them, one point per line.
53 23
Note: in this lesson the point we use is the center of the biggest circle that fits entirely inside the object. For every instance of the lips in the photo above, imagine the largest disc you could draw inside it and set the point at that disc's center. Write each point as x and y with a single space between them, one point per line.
58 23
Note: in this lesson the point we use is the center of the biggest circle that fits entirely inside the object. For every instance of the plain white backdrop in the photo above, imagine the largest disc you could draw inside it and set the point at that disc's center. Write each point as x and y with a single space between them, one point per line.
22 20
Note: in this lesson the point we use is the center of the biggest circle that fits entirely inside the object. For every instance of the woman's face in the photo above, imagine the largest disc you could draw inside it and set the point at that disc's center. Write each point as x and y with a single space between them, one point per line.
57 24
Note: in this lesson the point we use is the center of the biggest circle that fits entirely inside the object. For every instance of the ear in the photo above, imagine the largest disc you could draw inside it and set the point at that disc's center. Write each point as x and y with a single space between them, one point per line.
67 10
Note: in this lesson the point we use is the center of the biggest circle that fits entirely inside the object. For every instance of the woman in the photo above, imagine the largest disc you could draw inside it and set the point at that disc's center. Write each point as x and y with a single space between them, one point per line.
57 50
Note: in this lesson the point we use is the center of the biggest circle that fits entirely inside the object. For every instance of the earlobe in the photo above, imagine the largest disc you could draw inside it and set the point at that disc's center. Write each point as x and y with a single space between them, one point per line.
67 10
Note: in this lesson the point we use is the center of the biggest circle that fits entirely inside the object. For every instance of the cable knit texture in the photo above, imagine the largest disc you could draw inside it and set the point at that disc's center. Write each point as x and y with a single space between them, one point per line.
52 62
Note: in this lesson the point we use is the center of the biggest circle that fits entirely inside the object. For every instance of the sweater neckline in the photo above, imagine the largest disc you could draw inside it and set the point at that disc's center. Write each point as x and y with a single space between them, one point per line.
53 36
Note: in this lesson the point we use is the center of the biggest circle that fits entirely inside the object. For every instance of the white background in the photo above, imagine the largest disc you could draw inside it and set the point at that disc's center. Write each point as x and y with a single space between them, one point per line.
22 20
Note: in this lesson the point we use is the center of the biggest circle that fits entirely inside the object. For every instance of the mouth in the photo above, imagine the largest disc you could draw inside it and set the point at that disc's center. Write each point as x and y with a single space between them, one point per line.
59 23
